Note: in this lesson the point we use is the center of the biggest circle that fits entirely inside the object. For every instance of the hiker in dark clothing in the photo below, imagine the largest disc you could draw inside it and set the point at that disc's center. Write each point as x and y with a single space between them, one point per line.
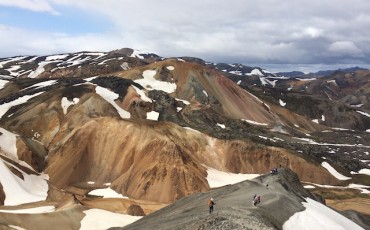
211 202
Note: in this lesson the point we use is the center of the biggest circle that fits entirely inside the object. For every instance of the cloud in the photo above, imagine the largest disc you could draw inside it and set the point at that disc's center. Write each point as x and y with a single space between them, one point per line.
33 5
265 31
345 48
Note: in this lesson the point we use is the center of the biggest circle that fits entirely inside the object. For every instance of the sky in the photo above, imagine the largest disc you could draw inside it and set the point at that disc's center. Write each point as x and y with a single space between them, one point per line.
296 34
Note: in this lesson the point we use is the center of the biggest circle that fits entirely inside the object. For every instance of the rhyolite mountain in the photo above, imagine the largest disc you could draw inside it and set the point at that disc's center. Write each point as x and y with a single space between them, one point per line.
148 127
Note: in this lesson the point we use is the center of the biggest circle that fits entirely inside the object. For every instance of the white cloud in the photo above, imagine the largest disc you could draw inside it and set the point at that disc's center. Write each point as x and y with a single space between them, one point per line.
266 31
344 48
33 5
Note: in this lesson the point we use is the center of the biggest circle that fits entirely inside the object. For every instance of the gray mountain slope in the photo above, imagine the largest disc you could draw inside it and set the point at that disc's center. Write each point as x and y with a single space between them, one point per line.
234 208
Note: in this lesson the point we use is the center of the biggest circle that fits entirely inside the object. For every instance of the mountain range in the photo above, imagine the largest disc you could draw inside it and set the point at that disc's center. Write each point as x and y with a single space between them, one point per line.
90 135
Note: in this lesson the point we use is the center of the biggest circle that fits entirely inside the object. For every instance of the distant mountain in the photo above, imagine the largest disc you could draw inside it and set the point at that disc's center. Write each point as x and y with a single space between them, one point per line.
320 73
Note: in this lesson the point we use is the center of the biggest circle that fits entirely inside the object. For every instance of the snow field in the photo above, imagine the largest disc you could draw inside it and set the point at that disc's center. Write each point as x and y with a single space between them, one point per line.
318 216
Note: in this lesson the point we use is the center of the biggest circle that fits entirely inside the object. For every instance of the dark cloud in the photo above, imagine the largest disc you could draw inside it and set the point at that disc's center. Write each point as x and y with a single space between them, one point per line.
265 31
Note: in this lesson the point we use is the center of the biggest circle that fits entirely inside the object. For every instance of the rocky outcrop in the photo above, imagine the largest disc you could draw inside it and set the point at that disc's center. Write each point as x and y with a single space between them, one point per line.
135 210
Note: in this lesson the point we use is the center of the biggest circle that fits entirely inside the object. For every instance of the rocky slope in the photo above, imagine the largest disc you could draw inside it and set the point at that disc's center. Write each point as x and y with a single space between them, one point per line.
234 208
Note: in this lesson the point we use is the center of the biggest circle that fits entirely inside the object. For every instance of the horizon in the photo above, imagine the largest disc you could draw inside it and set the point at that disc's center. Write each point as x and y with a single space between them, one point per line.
273 68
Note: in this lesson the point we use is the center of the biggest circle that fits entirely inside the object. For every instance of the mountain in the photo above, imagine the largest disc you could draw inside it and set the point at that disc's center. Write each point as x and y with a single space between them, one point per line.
283 200
106 134
320 73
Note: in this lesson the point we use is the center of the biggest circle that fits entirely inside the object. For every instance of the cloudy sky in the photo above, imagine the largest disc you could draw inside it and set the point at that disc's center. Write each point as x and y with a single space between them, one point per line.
265 32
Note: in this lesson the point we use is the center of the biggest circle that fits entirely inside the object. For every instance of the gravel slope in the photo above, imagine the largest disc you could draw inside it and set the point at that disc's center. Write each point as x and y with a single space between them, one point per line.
234 208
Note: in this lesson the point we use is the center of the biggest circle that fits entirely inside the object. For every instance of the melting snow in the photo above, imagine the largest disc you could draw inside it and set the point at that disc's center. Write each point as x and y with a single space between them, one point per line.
66 103
221 125
254 122
90 78
16 227
282 103
238 83
150 82
318 216
106 193
142 94
97 219
56 57
205 92
43 84
312 142
364 171
17 191
110 97
6 106
170 67
43 209
136 53
360 187
40 69
306 79
256 72
334 172
218 178
185 101
152 116
8 143
309 186
363 113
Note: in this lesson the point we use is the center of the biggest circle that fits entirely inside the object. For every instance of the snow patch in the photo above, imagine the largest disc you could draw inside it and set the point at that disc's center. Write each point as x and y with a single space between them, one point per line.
363 113
152 115
254 122
97 219
149 82
309 186
40 69
282 103
16 227
106 193
36 210
67 103
6 106
218 178
142 94
136 53
306 79
316 121
170 67
56 57
334 172
17 191
90 78
110 97
318 216
221 125
43 84
364 171
8 142
3 83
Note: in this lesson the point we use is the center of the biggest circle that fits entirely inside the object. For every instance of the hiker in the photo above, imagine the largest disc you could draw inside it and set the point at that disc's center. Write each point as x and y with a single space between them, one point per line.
255 200
258 199
267 186
211 202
